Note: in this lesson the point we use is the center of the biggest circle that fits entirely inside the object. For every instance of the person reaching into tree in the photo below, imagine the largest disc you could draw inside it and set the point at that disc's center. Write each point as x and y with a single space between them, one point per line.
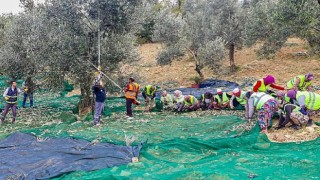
101 96
28 88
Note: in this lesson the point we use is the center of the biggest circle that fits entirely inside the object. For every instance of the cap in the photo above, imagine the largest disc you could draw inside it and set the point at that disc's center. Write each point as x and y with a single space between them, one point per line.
219 91
236 92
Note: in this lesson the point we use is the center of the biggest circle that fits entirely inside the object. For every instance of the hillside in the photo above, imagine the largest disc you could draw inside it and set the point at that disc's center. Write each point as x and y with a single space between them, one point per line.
284 66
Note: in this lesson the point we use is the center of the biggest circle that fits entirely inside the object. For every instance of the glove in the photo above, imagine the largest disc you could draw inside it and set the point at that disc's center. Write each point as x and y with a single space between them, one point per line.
6 98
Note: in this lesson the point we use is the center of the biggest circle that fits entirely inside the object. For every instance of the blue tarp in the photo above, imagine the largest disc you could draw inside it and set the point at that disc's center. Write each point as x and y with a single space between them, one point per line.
23 156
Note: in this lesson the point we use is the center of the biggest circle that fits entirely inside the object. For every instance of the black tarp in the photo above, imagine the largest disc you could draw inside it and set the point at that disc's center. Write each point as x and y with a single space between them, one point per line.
24 156
209 85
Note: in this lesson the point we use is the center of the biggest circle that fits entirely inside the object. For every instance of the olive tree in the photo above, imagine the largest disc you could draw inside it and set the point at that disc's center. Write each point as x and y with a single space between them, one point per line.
273 22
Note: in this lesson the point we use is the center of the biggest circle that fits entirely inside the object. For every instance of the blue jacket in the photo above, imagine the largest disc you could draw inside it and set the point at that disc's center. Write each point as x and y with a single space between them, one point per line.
100 94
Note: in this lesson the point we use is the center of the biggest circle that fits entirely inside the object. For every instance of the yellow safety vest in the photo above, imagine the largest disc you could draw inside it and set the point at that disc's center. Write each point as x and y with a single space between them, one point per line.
242 100
193 101
224 100
302 85
263 87
260 98
312 100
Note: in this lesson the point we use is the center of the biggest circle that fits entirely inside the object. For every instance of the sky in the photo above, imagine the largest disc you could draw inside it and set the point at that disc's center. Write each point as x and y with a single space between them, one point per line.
9 6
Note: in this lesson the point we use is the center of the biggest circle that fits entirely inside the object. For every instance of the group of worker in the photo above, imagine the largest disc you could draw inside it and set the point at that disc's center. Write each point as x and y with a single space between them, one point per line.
11 97
296 102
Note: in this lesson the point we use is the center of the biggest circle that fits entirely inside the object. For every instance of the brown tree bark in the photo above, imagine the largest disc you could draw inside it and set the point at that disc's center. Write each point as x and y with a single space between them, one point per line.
231 57
198 67
86 103
199 72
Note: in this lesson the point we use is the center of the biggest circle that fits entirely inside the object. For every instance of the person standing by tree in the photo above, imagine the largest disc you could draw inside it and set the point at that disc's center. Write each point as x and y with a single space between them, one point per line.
131 90
28 88
101 96
11 97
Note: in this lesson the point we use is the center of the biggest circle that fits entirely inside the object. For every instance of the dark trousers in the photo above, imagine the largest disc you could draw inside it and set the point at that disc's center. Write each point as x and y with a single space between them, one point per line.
6 110
129 103
25 96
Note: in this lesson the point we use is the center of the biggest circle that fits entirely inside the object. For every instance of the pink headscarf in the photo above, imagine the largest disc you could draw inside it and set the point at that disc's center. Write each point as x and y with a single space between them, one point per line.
269 80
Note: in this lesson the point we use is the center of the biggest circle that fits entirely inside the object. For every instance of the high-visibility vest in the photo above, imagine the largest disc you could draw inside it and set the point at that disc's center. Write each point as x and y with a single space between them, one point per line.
263 87
168 99
302 85
297 109
242 100
132 91
148 90
193 101
12 95
260 98
312 100
224 100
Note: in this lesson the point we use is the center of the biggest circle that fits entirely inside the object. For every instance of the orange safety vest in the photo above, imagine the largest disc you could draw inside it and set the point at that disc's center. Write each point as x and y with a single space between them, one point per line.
133 91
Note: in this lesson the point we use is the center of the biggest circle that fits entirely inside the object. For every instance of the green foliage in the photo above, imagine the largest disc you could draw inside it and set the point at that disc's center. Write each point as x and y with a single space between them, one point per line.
273 22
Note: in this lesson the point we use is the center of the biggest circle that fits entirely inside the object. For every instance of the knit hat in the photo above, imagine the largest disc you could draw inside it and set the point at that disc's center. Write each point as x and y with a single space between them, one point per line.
281 93
219 91
236 92
269 80
309 76
292 94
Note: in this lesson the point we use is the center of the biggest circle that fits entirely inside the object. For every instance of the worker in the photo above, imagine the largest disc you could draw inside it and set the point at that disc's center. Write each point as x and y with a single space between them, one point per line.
189 104
131 91
266 106
207 101
222 99
149 95
301 82
167 100
101 96
293 114
264 84
11 97
309 101
239 99
28 87
178 99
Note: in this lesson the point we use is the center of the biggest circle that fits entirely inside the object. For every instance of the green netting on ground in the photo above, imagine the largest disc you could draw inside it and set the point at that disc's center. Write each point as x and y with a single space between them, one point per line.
197 145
